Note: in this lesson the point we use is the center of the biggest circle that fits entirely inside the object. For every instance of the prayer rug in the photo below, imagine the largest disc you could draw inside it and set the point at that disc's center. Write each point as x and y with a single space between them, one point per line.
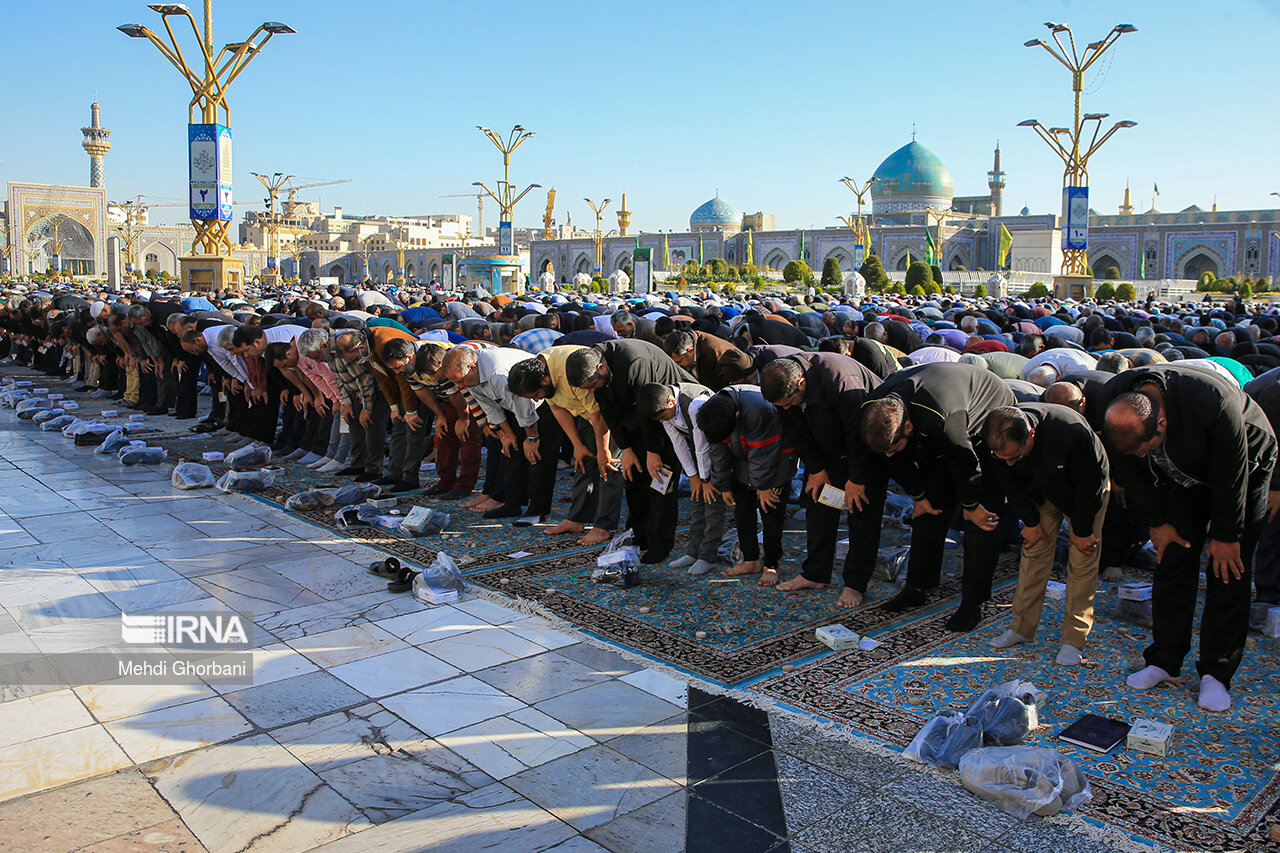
1213 792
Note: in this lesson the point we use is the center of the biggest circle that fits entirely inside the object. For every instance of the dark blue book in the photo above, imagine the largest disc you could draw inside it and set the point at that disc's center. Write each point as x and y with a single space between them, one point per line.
1100 734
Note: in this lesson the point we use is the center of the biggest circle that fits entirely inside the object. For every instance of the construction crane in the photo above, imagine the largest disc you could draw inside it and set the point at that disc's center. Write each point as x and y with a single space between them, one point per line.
479 197
292 203
547 232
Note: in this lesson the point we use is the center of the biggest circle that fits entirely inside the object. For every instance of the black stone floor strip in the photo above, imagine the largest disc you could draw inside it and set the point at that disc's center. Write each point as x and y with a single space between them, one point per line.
735 803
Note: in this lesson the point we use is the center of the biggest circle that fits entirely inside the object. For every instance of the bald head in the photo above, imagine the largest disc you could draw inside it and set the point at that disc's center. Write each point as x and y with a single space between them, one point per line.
1065 394
1135 423
1044 375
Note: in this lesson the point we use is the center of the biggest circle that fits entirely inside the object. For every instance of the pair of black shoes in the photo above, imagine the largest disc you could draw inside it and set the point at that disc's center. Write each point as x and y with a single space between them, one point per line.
965 619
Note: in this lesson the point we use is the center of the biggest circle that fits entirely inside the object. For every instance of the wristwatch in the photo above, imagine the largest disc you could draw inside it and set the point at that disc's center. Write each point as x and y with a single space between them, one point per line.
532 439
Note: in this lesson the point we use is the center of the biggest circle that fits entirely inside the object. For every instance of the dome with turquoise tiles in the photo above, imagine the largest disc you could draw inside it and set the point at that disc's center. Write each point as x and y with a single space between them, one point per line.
911 179
716 215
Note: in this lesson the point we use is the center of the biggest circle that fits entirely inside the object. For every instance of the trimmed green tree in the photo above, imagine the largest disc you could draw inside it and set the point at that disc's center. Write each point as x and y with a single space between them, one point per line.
831 274
918 275
1105 291
1111 273
873 272
980 291
1125 291
1037 291
937 273
796 271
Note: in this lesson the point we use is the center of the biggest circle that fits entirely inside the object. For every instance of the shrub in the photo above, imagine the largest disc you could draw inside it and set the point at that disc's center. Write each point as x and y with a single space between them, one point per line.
1245 291
937 273
918 275
933 288
1105 291
895 287
1125 291
797 271
719 266
917 290
748 270
1037 291
1111 273
1206 282
980 291
831 275
951 290
873 271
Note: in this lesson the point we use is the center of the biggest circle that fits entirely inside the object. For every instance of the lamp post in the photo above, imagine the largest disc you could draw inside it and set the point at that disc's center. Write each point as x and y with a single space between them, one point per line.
1067 143
272 184
937 216
860 227
129 233
506 196
210 137
596 238
400 246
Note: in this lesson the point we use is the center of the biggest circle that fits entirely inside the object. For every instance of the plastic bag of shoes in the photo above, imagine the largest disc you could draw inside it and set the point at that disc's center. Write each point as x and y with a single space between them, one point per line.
192 475
355 493
143 455
310 500
246 481
250 456
891 565
57 423
1025 780
47 415
926 746
112 443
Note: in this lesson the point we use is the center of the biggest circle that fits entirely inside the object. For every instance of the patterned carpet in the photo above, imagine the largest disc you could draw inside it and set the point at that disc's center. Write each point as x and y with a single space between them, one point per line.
1210 793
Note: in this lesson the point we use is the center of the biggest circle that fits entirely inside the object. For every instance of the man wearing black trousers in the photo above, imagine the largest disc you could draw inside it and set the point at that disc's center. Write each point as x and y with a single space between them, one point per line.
616 371
928 421
1195 455
819 397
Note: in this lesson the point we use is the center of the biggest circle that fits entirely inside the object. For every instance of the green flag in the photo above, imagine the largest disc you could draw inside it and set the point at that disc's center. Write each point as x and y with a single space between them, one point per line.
700 249
930 249
751 247
1142 266
1006 243
666 253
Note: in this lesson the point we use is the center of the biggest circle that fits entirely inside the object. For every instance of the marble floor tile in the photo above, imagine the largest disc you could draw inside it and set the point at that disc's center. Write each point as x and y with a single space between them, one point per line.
60 610
493 818
22 586
540 677
172 836
114 701
252 795
282 702
274 662
494 614
343 737
17 642
385 787
332 578
393 672
660 825
180 728
540 631
662 747
431 623
254 594
343 645
600 660
79 636
608 709
128 575
47 762
82 814
482 648
451 705
155 595
659 684
330 615
504 746
591 787
17 539
38 716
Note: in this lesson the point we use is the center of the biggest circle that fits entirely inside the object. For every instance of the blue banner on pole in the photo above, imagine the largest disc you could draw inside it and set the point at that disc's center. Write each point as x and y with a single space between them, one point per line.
1075 218
209 147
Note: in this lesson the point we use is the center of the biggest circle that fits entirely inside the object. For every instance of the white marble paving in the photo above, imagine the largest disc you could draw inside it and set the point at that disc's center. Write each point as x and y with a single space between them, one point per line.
37 764
451 705
504 746
344 645
115 701
38 716
393 672
432 623
180 728
482 648
336 739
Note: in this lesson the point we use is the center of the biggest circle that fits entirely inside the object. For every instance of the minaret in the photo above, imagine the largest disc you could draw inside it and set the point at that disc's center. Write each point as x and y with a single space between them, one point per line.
96 145
1126 209
624 216
995 180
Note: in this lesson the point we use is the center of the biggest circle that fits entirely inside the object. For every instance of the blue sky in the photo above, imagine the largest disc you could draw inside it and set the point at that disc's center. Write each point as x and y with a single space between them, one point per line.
769 103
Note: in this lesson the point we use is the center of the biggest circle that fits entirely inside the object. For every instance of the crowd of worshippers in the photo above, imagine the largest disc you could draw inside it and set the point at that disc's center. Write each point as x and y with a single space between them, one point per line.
1133 424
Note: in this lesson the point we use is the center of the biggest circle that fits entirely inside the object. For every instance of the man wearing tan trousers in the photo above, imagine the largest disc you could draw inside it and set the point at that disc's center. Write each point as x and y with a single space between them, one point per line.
1055 468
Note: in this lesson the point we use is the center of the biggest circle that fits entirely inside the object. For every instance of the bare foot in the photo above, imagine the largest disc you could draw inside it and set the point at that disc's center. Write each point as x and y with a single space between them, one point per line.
849 598
746 567
565 526
768 577
1112 573
596 536
474 501
486 505
799 583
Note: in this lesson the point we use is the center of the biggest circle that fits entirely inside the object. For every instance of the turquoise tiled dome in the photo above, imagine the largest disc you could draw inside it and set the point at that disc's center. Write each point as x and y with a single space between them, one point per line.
716 213
913 170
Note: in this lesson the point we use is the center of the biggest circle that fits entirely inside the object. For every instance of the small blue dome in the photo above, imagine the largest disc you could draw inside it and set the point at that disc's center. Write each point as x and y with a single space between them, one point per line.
912 170
716 213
